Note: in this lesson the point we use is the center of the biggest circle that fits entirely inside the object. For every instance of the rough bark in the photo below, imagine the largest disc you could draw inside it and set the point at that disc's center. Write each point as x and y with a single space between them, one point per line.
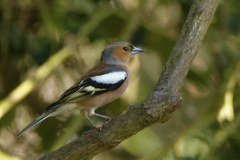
160 104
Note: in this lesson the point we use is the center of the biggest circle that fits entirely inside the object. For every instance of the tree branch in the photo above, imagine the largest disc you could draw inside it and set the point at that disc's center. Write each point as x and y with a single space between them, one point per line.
160 104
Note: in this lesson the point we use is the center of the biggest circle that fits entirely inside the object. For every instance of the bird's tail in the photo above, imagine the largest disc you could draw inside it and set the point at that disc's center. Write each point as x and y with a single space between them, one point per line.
41 118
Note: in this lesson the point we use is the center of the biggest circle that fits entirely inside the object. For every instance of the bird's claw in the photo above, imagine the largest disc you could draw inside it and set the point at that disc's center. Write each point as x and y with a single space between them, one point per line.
104 124
86 132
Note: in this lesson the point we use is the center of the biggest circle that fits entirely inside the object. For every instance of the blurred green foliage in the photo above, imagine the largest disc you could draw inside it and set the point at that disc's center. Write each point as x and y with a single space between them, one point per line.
207 125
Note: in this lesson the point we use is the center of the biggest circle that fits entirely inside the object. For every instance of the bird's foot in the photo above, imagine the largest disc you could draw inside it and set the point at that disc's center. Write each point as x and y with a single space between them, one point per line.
86 132
104 124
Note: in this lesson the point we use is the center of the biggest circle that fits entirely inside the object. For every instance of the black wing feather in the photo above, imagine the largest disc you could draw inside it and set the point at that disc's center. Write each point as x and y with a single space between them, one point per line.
80 92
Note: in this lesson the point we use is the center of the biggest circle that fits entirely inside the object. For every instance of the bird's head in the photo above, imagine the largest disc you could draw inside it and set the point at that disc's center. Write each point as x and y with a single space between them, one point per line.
119 52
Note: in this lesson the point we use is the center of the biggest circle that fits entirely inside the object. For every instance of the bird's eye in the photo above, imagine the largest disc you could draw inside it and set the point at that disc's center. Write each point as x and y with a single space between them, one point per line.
125 48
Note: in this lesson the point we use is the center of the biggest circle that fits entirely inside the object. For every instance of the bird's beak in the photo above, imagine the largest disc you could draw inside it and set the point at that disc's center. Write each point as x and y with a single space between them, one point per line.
136 50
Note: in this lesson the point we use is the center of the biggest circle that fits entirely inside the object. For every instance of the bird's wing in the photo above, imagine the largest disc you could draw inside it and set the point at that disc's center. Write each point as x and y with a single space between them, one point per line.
108 79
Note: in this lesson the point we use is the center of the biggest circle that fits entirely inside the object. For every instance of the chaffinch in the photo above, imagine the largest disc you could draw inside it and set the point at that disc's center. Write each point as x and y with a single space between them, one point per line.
102 84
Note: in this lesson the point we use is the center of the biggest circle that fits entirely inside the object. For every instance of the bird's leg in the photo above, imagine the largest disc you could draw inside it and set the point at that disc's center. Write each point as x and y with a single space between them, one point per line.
85 113
102 116
105 117
129 106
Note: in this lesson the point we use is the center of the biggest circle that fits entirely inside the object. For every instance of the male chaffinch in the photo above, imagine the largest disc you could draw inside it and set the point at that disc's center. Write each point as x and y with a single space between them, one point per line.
102 84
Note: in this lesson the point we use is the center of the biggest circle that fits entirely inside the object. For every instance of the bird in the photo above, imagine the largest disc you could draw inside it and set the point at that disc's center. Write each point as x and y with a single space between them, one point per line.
102 84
